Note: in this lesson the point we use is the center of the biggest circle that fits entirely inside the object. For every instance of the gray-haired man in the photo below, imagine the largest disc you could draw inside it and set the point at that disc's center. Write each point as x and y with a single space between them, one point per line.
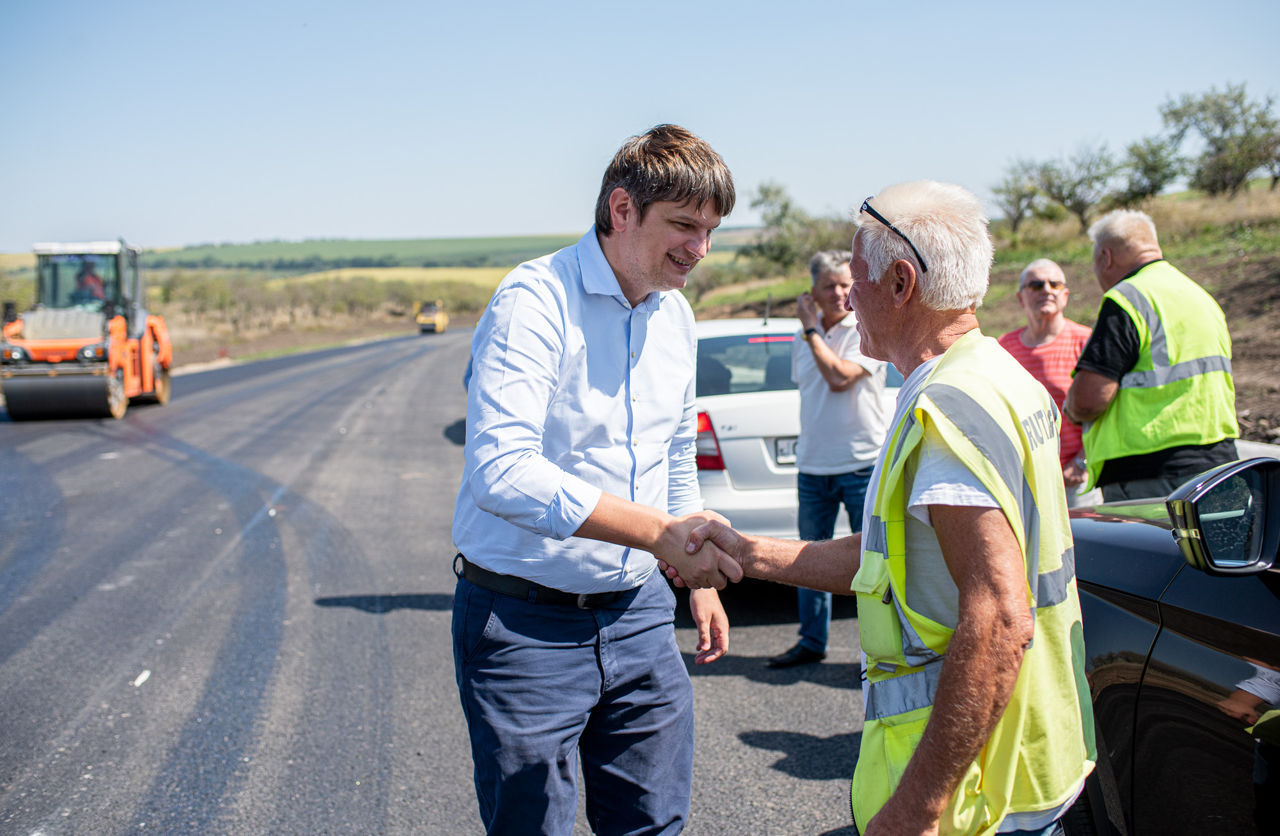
844 415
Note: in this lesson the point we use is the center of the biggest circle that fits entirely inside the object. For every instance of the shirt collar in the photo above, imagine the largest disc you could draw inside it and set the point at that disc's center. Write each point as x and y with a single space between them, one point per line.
598 277
849 321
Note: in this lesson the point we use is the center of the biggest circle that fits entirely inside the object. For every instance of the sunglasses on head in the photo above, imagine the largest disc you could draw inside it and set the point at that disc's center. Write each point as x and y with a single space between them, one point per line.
1038 284
866 207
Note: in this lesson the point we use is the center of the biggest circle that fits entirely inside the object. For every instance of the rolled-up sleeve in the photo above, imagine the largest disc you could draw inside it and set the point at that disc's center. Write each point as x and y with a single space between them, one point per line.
517 364
683 494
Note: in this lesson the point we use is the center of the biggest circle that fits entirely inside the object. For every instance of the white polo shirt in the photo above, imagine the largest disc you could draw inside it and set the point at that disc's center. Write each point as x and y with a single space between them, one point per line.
839 431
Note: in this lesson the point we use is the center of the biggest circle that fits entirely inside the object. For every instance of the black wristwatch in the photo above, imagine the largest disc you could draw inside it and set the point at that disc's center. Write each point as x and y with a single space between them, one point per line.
809 331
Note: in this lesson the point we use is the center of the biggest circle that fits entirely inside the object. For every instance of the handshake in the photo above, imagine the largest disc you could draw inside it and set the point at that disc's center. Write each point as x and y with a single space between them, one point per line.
700 550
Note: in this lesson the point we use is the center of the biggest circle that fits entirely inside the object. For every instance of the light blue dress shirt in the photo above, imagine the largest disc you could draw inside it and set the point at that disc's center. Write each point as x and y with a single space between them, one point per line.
572 393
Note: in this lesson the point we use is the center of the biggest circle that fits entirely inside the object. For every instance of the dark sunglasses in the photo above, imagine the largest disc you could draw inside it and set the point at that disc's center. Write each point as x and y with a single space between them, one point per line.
1038 284
866 207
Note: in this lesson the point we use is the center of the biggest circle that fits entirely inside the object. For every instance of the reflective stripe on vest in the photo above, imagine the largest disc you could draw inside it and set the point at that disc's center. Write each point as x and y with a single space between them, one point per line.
982 431
903 693
1162 372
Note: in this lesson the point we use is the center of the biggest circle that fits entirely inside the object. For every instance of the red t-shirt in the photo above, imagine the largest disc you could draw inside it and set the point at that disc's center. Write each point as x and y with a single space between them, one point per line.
1052 364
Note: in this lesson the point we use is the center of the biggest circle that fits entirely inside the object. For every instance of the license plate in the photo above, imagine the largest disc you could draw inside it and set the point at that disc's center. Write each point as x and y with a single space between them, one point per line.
784 450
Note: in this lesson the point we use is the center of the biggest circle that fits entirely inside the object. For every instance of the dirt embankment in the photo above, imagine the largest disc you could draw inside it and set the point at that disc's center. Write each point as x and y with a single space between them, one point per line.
1247 288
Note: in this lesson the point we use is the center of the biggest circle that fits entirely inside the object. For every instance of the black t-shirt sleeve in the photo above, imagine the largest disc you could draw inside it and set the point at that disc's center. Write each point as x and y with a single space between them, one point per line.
1112 349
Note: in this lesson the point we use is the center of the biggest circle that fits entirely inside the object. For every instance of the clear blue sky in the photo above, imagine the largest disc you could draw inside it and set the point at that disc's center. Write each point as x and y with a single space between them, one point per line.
181 123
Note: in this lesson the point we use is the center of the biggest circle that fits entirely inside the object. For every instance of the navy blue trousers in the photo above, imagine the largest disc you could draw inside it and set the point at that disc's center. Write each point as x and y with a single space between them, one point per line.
543 686
819 501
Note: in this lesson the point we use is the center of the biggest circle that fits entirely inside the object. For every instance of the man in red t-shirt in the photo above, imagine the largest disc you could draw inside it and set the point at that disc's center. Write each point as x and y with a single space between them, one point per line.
1048 347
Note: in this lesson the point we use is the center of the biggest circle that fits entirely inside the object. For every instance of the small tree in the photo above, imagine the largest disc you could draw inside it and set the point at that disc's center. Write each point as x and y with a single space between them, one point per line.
1149 165
1239 136
780 243
791 235
1016 194
1078 182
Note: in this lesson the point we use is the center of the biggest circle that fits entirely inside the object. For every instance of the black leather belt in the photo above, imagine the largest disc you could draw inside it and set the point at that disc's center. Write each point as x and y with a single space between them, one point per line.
534 593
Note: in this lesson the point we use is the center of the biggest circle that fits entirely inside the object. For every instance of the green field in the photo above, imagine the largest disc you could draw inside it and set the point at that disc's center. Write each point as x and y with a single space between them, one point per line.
333 254
488 276
311 256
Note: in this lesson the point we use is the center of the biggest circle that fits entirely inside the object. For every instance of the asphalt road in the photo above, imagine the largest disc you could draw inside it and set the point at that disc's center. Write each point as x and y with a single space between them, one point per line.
231 615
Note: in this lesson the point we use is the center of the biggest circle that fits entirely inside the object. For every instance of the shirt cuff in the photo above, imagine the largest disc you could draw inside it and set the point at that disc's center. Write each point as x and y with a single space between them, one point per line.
572 504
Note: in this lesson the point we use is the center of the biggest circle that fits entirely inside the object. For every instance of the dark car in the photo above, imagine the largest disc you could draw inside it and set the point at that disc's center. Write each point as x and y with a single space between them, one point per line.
1181 608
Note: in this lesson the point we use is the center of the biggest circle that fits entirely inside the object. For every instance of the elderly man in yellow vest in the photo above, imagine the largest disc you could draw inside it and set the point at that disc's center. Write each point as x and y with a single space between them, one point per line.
1153 385
977 715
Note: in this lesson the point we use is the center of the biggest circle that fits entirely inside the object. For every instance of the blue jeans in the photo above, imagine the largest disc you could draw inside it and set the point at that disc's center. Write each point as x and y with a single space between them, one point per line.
820 498
543 685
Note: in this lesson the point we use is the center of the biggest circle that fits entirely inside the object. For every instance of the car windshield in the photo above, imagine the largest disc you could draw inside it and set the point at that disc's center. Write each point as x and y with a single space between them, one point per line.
76 281
744 363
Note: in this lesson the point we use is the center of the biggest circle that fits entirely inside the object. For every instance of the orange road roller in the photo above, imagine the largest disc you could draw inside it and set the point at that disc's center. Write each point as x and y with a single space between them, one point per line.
88 346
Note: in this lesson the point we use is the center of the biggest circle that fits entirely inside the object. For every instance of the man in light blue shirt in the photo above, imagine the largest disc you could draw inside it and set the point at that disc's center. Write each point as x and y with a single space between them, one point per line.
580 471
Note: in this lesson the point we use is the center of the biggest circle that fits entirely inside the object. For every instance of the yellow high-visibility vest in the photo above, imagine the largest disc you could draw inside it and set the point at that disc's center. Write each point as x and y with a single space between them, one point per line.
1002 424
1180 392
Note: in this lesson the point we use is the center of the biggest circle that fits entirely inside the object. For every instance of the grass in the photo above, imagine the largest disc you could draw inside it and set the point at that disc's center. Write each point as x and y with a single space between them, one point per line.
757 291
17 261
718 255
488 276
382 253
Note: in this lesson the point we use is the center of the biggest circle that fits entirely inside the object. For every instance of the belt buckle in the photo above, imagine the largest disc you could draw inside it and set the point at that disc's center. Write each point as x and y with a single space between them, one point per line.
582 601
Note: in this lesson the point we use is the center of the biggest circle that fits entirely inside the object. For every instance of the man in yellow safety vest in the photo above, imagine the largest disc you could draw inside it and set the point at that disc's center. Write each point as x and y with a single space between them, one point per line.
977 716
1153 386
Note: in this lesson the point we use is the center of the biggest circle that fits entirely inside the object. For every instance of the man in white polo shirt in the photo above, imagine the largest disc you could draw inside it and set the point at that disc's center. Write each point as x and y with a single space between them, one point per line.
844 416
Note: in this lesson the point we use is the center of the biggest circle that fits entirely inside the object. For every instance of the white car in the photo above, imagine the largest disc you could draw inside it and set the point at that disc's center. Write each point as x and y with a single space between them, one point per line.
748 420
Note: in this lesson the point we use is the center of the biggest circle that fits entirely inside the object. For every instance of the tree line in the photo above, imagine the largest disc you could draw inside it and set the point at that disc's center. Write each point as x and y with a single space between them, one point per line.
1232 138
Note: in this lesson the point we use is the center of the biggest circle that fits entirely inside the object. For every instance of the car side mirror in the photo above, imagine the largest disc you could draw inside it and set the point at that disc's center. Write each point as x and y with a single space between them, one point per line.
1226 521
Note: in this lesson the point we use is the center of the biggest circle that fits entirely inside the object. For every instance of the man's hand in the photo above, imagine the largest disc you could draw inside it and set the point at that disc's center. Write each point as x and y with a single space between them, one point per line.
713 533
1241 705
713 625
617 520
807 310
1074 473
700 567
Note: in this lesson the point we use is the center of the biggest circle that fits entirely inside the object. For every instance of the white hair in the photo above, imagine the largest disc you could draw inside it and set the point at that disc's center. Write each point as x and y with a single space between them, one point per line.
1038 264
947 225
1123 228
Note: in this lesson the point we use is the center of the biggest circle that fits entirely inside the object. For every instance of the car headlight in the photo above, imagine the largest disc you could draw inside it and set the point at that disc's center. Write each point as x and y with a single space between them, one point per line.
93 353
13 354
